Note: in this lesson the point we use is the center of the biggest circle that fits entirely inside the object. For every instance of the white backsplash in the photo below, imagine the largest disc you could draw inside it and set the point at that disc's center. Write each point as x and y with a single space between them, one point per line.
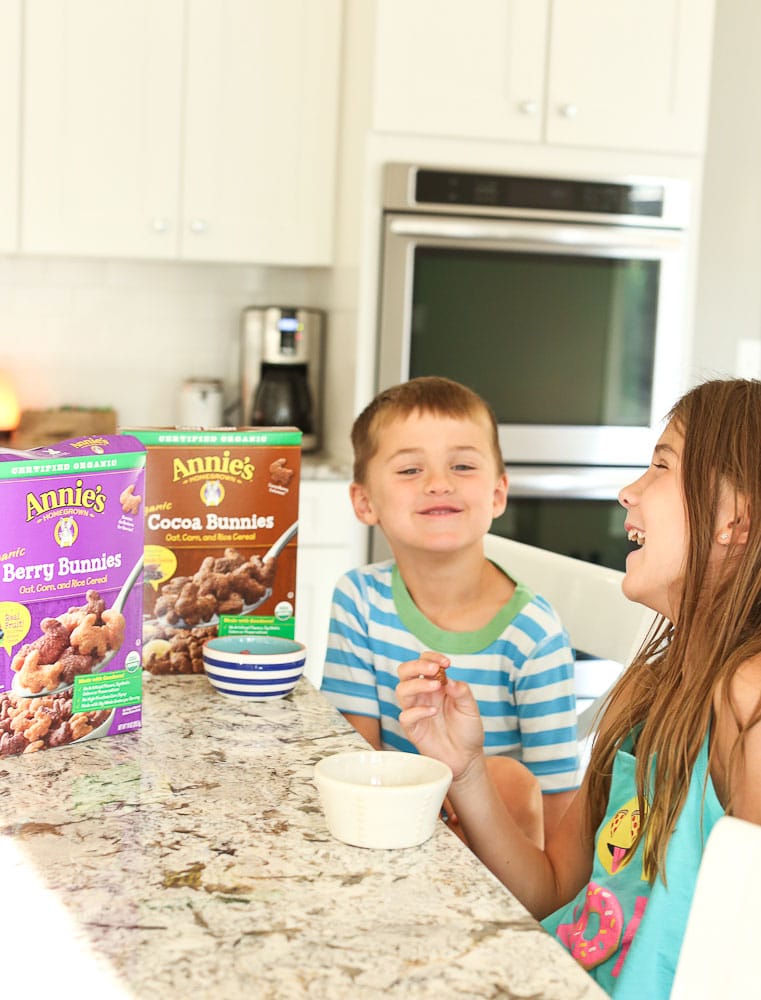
126 334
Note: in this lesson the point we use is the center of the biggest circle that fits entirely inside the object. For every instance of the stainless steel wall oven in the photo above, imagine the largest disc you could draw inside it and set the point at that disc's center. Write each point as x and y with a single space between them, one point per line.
561 301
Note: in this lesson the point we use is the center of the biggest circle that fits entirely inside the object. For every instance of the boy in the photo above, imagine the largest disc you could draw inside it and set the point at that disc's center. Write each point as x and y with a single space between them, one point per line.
428 471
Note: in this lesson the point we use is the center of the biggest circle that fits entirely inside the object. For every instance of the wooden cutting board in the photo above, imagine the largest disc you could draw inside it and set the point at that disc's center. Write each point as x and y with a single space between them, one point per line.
41 427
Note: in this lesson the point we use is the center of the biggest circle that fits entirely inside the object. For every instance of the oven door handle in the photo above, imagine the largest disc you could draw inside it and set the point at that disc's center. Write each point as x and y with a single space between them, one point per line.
535 235
563 482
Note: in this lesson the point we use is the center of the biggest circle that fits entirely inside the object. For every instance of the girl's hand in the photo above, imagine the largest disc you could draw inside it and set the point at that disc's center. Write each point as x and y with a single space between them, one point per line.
440 718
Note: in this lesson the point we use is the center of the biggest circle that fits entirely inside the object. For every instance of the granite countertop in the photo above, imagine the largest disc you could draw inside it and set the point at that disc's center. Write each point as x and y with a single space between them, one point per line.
192 859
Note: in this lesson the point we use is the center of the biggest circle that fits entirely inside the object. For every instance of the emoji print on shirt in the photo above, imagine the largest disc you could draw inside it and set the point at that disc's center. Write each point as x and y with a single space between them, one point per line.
616 839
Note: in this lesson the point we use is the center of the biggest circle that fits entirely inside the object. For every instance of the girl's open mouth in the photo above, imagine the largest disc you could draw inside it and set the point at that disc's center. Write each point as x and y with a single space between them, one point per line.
636 535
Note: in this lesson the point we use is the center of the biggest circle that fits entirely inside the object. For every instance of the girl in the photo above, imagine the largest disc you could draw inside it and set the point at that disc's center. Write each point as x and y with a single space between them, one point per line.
679 742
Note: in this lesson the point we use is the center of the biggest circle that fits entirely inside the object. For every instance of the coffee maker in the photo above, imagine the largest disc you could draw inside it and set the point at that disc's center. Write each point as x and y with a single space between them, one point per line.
281 355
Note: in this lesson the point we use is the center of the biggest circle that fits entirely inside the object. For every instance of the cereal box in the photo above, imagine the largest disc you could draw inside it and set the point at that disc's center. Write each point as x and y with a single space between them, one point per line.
71 592
221 517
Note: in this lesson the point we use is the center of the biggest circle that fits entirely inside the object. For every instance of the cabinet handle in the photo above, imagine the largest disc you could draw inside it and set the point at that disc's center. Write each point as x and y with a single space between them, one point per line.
199 226
528 107
569 110
160 225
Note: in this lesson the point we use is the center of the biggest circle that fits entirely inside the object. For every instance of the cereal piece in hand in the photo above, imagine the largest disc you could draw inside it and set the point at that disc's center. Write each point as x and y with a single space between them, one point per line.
441 676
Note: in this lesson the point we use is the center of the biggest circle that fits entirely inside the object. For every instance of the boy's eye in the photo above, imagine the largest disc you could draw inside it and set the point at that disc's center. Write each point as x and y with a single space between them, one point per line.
463 467
409 470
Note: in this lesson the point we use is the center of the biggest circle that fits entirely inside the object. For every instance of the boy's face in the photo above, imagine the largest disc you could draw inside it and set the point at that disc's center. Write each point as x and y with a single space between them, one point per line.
432 484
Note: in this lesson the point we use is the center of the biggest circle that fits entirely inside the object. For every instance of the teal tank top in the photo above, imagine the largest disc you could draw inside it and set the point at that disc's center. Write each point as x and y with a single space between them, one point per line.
624 932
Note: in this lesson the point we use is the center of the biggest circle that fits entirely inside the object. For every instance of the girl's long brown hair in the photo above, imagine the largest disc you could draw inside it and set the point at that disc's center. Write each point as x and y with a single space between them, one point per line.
669 689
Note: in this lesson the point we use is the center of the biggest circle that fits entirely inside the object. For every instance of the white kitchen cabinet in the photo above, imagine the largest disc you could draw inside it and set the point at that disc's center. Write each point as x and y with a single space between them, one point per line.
10 99
589 73
475 70
261 131
194 129
330 542
630 75
102 96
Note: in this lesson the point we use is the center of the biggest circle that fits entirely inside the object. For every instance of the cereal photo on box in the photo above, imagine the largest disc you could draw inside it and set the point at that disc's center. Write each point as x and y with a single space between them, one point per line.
71 562
221 521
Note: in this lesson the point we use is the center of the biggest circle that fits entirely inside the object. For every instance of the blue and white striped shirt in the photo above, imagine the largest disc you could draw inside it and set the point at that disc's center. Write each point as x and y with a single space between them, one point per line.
520 668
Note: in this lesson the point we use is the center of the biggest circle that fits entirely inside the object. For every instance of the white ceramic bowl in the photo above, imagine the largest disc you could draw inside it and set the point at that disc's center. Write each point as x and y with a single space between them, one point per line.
381 798
257 667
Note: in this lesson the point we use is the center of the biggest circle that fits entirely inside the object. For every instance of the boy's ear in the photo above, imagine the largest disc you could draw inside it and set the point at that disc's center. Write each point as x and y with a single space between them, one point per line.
363 508
500 495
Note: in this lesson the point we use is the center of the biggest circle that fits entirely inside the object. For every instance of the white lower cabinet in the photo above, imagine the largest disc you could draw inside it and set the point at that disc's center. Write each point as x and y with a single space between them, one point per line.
330 542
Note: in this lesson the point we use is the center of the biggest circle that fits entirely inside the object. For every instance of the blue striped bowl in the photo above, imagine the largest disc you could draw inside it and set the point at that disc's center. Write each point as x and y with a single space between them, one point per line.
257 667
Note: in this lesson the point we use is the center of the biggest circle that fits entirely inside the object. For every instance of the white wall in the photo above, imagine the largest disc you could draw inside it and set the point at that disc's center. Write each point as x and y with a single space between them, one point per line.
126 334
728 299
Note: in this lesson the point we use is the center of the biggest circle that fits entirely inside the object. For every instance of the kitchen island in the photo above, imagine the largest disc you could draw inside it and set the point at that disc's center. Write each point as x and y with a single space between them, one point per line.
191 859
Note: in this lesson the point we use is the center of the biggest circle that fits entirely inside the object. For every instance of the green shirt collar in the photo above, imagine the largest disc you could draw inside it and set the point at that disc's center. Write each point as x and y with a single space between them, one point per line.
439 639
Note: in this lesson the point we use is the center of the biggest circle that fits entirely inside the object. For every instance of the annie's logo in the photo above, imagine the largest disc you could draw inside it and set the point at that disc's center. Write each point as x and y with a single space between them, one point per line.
213 465
66 496
95 444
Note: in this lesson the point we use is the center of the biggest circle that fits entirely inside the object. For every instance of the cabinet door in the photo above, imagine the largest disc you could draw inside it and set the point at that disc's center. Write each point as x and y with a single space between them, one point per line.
102 83
630 75
260 139
10 48
475 70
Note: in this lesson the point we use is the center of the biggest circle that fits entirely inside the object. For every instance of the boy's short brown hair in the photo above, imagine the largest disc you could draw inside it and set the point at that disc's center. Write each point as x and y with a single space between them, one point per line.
426 394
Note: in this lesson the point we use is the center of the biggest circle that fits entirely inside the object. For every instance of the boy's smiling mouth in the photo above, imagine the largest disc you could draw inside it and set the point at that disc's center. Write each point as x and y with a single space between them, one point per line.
439 510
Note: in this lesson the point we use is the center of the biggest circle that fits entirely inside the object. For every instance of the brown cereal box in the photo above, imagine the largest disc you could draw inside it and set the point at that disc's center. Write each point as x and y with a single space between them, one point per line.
71 593
221 520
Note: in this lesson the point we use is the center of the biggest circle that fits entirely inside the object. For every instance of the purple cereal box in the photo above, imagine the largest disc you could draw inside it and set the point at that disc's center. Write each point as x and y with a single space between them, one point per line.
71 595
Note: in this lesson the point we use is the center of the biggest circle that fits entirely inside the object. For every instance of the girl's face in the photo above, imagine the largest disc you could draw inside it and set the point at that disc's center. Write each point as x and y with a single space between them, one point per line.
656 519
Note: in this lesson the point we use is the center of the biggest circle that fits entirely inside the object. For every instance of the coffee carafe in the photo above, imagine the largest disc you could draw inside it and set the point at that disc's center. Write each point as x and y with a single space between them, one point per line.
281 352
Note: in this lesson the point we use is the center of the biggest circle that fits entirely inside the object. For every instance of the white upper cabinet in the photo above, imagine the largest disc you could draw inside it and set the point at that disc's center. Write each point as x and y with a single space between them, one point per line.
630 75
187 128
450 68
261 131
633 74
10 99
102 97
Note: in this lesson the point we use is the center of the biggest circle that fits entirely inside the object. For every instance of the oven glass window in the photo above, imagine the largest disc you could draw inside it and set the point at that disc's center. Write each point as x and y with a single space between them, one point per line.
592 530
545 338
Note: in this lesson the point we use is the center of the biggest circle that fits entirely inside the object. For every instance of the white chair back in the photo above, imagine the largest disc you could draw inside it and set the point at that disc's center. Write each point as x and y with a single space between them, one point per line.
719 956
588 598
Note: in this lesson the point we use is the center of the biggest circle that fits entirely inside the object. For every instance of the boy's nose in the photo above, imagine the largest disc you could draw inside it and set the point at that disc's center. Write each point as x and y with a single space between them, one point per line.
438 482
